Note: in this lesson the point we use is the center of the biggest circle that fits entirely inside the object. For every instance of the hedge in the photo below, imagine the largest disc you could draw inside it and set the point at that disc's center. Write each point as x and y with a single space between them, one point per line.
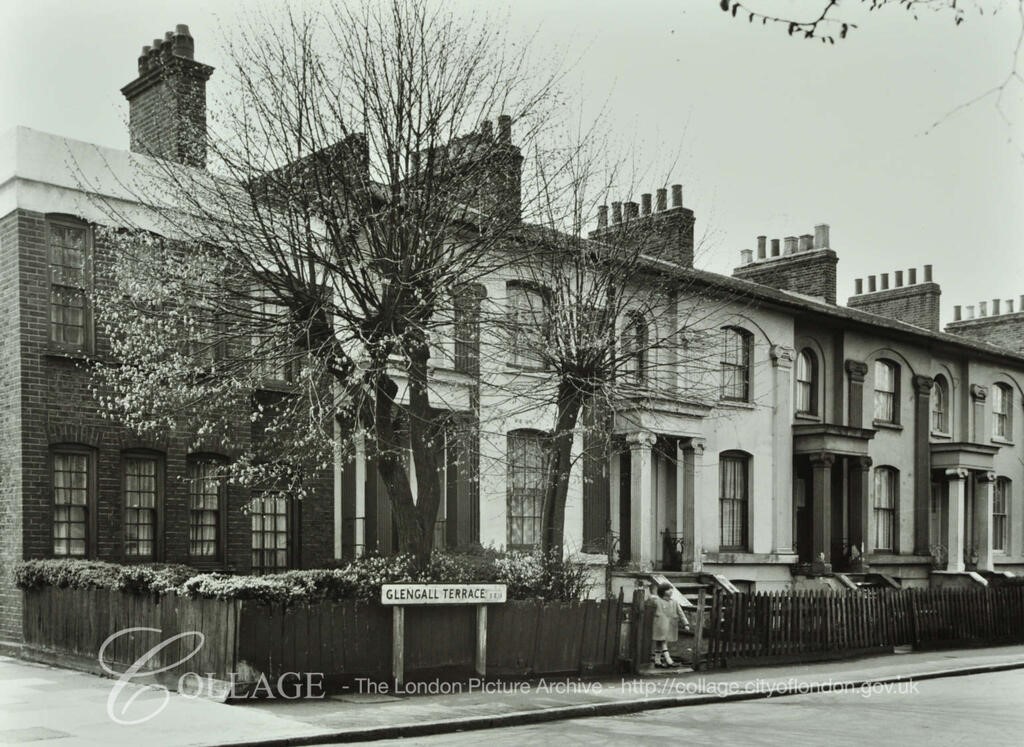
527 576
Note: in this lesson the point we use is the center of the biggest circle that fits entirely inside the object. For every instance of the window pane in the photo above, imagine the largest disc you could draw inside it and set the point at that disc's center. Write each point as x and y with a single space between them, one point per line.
526 487
269 534
71 501
205 487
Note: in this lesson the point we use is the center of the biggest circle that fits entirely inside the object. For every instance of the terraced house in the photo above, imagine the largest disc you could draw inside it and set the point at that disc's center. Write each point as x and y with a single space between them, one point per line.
818 443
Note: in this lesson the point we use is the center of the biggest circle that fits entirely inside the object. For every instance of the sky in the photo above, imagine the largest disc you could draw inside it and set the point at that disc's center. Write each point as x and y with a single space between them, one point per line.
769 134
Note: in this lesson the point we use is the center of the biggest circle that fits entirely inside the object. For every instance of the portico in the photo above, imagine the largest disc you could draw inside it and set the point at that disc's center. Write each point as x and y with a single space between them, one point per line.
831 499
963 483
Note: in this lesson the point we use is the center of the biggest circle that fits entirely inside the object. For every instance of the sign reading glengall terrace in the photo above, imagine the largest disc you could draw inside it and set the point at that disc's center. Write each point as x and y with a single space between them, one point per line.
442 593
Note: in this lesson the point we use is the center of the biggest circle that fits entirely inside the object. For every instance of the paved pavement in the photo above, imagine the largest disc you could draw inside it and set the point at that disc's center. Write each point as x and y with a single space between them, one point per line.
44 705
982 709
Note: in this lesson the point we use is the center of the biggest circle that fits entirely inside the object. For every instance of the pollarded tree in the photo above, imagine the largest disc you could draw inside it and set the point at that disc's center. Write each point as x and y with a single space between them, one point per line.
344 208
603 320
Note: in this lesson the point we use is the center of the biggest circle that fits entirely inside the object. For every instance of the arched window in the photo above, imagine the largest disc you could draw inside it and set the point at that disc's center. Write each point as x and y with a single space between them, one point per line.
635 346
887 386
526 483
1002 411
807 382
939 400
736 357
733 499
885 503
1001 515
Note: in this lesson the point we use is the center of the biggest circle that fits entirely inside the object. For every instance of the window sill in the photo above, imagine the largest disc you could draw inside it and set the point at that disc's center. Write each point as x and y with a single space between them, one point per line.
68 354
886 425
736 404
1002 441
940 435
806 416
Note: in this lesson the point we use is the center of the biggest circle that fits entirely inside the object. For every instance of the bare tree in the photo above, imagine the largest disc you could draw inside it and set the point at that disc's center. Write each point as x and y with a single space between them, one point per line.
344 209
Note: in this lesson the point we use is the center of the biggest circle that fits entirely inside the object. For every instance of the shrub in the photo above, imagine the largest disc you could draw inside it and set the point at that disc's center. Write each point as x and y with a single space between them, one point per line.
68 573
527 576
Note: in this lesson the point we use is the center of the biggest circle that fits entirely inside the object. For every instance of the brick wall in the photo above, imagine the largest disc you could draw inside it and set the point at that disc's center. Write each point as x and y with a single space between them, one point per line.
812 273
46 400
10 439
1004 330
914 304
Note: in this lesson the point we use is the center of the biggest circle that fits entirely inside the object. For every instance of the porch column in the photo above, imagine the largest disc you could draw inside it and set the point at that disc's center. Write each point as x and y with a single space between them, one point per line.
955 519
692 455
821 546
782 454
855 373
984 497
860 509
641 499
922 462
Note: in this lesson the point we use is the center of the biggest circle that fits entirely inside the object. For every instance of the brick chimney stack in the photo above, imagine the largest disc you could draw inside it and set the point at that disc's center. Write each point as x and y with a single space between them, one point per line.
1003 328
914 303
167 102
653 227
807 265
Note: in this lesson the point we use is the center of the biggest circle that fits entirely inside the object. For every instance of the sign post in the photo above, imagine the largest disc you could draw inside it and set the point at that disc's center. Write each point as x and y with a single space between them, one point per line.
401 595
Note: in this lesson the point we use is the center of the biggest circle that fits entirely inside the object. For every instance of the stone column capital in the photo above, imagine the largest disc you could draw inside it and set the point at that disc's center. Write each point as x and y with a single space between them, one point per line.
923 385
978 392
986 477
856 370
956 473
823 459
641 439
863 463
782 356
697 445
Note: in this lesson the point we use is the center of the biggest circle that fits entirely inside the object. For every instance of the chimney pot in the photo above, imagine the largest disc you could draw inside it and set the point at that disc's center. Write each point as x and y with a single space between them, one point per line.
995 307
927 273
956 313
899 278
821 236
806 242
632 210
616 213
912 276
983 308
504 128
775 250
602 216
858 286
969 309
746 256
871 284
662 203
791 244
762 247
677 195
885 281
645 203
1009 305
1021 304
487 129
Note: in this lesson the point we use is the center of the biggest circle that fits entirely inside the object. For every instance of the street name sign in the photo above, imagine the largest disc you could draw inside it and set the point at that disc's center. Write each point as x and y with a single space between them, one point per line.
442 594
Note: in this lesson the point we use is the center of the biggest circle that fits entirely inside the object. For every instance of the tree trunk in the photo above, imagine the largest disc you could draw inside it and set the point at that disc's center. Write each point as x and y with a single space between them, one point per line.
570 403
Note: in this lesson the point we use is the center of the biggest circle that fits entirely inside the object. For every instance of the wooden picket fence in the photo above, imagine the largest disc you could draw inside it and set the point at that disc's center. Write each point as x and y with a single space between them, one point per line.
340 640
778 627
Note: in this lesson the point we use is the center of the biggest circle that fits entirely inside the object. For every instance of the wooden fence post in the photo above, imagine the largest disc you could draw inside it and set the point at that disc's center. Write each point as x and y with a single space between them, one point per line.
398 645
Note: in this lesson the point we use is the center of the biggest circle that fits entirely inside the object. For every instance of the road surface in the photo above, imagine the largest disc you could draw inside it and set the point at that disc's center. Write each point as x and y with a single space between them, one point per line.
986 709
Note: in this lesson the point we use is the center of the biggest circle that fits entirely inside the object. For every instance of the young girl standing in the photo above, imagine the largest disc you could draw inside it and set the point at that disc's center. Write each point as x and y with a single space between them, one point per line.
667 616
